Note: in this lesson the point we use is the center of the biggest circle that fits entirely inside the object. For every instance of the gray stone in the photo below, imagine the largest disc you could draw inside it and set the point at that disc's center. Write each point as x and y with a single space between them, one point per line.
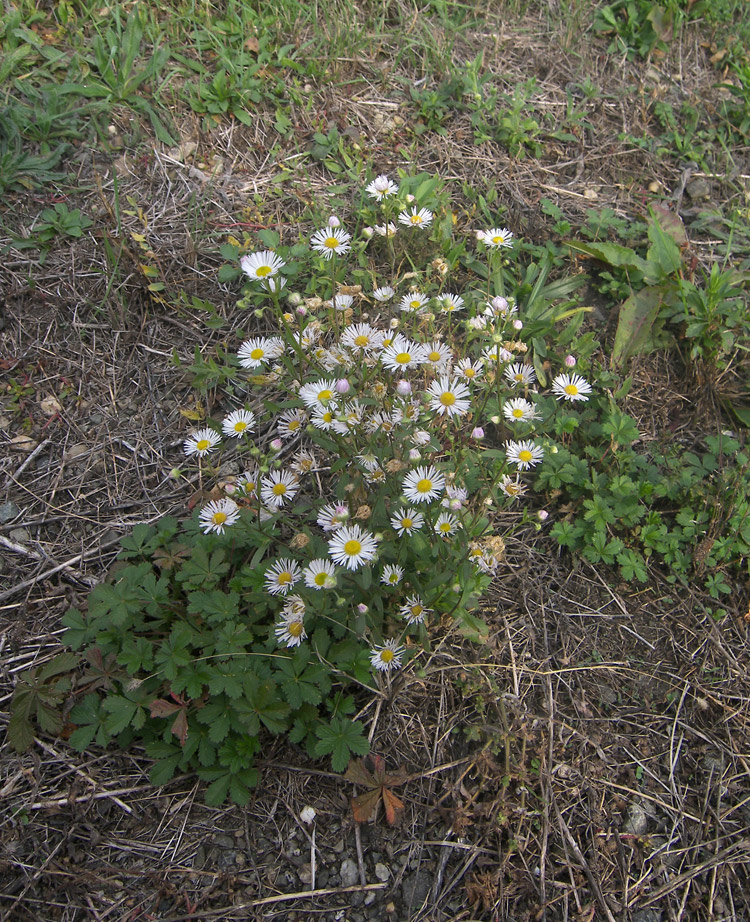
8 512
637 822
381 872
415 889
349 873
224 841
19 534
647 915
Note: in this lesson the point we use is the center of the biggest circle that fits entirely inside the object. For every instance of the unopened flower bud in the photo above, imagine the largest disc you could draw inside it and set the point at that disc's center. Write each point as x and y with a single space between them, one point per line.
477 432
517 325
403 388
276 444
570 361
367 232
294 298
414 454
394 323
410 199
333 221
362 608
543 515
342 386
500 304
301 310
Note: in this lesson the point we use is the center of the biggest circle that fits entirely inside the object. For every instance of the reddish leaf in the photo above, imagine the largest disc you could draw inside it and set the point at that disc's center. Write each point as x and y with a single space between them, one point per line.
394 807
180 726
364 806
162 708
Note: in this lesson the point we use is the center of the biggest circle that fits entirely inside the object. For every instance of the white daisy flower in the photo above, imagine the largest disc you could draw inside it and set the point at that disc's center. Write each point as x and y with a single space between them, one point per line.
333 516
341 302
520 373
261 265
281 576
385 293
320 574
496 237
278 487
254 352
406 521
376 476
386 230
450 303
238 423
524 454
201 442
512 486
519 410
381 187
414 610
449 396
392 574
494 354
318 395
349 417
483 560
423 485
387 657
416 218
218 515
402 354
438 356
324 419
248 481
446 524
352 546
368 461
291 422
291 629
571 387
331 240
303 462
360 337
414 302
469 370
421 437
499 307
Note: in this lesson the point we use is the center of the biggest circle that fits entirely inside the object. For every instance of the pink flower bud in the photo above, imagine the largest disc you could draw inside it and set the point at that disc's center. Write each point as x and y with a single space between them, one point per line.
362 608
500 304
276 444
477 433
403 388
570 361
342 386
301 310
517 325
543 515
333 221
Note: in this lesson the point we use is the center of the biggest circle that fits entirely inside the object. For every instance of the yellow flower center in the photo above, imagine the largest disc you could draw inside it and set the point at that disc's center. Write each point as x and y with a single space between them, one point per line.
512 489
293 425
415 303
257 353
424 485
434 356
393 578
445 528
415 219
325 394
295 628
250 486
331 242
320 579
518 413
352 547
240 426
386 656
403 358
407 523
263 271
447 399
416 610
469 372
279 489
525 456
361 340
219 518
518 377
498 238
284 578
203 444
571 390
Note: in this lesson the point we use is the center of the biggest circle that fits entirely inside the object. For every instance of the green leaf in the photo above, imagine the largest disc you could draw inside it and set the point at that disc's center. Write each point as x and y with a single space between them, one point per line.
120 712
340 739
664 256
611 253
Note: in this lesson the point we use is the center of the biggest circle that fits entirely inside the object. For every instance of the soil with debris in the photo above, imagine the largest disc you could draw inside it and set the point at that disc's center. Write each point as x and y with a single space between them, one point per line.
589 762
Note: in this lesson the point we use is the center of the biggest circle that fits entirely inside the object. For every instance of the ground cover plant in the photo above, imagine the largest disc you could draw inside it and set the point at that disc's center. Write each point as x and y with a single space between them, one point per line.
374 400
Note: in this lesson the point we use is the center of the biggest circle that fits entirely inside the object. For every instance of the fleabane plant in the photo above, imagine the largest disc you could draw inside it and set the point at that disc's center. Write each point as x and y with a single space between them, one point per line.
381 427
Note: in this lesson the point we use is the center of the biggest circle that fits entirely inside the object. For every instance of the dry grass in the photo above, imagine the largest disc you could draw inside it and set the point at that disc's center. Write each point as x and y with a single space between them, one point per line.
589 762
